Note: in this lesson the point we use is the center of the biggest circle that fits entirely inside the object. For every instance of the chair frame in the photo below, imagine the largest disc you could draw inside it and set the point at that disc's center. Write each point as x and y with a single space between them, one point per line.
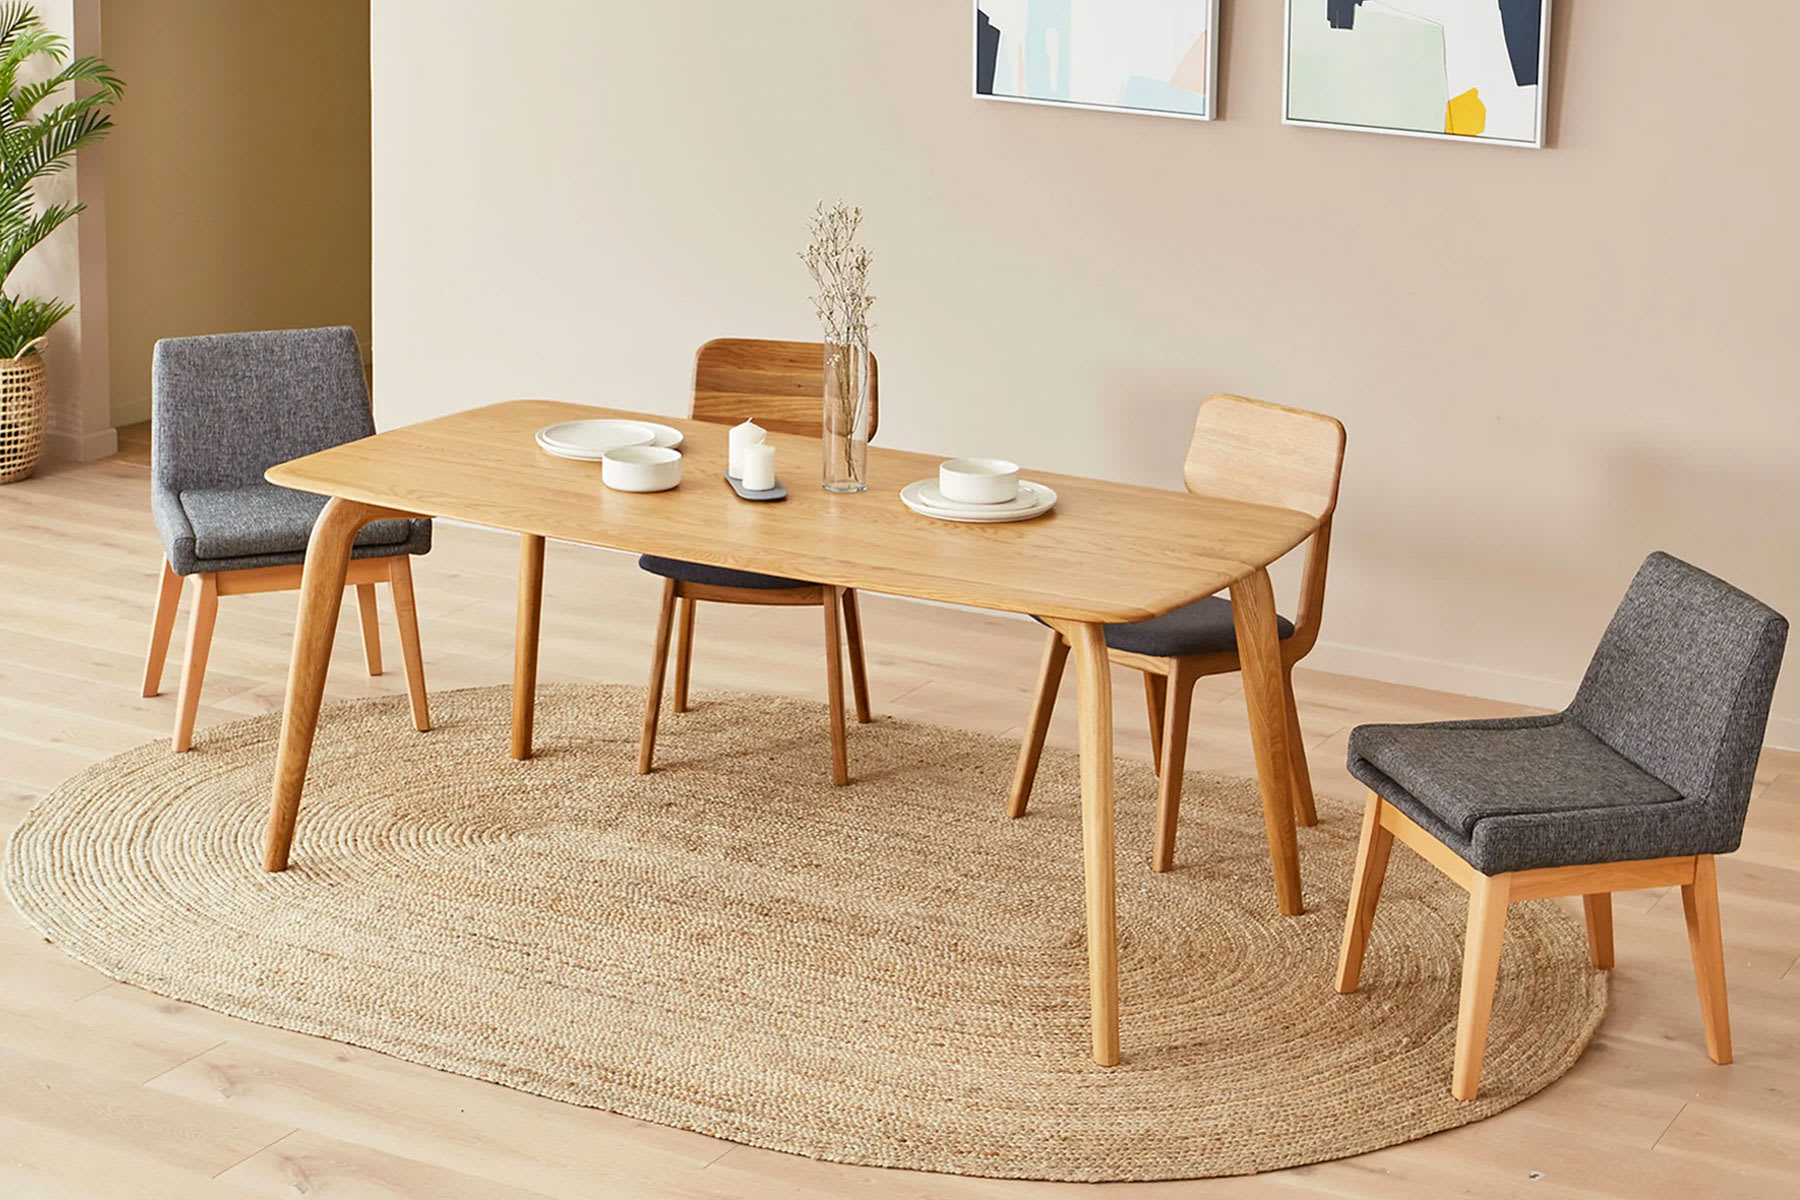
727 372
364 574
1489 896
1227 427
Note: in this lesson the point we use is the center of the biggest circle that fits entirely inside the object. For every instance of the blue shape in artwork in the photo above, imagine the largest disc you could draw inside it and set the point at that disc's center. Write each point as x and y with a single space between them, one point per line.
1047 22
1341 14
1523 21
1159 95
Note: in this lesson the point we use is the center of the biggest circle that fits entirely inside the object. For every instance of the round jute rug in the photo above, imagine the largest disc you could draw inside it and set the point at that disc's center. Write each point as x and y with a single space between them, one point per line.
890 973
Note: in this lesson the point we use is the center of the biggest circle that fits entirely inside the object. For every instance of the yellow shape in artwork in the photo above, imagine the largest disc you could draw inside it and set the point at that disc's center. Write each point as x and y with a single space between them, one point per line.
1466 114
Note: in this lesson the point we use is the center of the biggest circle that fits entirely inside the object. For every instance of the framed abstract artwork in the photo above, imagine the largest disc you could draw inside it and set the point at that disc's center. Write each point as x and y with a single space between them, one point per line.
1137 56
1469 70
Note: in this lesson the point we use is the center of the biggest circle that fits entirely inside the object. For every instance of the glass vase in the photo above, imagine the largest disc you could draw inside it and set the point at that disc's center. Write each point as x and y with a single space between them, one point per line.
847 417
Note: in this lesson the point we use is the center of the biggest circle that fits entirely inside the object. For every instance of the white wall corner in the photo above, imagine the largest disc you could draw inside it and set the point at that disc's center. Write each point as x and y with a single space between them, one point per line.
72 265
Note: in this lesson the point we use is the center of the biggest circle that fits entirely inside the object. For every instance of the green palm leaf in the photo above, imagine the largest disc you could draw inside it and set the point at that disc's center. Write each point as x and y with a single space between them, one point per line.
35 145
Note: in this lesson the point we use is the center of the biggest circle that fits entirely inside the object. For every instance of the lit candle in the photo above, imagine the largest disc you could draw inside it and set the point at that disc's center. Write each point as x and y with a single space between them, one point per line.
759 467
742 437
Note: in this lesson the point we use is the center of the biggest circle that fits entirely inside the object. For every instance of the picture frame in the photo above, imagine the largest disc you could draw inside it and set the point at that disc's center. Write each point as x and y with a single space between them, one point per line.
1463 46
1124 56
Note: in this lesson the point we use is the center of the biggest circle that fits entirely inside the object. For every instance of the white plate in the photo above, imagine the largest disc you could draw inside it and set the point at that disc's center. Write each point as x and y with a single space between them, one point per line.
1034 501
667 436
587 441
931 495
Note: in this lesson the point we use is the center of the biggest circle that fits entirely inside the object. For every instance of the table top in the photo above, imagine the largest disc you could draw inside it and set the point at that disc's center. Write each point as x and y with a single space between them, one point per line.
1108 552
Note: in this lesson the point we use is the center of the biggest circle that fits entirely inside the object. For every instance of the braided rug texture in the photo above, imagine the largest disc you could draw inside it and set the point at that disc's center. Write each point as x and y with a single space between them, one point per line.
890 974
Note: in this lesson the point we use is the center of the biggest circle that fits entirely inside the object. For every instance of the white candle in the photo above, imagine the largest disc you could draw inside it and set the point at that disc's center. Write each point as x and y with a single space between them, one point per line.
742 437
759 467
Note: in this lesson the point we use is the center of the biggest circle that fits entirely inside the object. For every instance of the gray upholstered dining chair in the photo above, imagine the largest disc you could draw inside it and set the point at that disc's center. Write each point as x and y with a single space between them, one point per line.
1638 783
781 385
223 409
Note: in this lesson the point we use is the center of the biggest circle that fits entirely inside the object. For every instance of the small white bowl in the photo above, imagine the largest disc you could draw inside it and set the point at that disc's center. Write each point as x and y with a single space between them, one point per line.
641 469
979 480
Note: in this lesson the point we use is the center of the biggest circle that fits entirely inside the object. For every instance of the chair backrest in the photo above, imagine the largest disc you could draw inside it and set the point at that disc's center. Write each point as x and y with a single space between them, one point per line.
1682 682
226 407
779 384
1265 453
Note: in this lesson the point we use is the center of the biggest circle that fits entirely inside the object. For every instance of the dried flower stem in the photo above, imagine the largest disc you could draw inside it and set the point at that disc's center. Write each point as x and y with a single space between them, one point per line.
840 268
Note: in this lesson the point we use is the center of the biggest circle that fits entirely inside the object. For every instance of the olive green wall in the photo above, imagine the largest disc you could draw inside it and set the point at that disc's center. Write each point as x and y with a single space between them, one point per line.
237 183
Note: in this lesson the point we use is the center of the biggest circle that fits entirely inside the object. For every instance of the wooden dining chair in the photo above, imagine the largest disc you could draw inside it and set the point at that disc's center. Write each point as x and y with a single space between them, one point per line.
780 385
223 409
1639 783
1244 450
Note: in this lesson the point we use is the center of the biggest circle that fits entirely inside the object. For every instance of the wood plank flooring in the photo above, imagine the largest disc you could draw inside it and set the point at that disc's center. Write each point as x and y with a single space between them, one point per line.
108 1091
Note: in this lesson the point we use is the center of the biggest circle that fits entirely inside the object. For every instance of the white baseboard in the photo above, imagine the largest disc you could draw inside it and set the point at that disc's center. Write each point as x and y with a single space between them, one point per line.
1484 682
1392 667
1783 734
82 447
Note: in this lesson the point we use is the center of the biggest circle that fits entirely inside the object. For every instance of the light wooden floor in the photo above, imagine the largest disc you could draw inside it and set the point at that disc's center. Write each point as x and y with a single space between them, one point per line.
109 1092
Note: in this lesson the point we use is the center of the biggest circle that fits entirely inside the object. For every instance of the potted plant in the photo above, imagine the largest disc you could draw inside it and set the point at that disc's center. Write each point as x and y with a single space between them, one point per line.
35 144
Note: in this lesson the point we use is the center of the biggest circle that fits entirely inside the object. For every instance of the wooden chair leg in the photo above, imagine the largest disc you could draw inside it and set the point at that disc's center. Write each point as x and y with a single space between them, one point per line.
168 599
834 687
1481 968
1259 663
1179 699
1598 908
859 668
193 671
684 653
1700 900
659 667
406 618
1037 725
1156 688
370 619
1372 853
1305 813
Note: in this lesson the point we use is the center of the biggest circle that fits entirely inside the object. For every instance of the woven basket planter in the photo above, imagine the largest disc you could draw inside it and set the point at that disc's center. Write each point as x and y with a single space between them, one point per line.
24 415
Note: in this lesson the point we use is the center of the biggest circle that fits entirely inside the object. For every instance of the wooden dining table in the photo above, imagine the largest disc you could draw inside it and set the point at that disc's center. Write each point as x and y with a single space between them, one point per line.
1108 553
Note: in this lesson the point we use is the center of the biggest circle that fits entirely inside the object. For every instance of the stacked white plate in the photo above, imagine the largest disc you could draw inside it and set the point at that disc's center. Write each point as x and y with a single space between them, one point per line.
588 441
927 499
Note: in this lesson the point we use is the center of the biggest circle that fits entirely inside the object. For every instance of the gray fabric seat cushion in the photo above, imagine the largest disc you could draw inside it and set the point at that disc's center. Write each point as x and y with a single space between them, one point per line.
1467 772
217 515
1203 627
1529 792
687 572
262 518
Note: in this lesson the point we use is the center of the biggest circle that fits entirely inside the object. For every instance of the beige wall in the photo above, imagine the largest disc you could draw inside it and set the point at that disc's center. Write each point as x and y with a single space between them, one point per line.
238 178
1549 362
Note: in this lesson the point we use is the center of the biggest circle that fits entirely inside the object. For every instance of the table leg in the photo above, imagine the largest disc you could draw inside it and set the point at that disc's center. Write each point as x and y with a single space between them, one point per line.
525 642
1093 674
1265 698
321 592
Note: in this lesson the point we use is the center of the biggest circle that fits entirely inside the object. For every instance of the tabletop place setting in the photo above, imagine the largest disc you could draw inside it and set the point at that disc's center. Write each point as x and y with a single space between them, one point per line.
978 491
634 456
644 456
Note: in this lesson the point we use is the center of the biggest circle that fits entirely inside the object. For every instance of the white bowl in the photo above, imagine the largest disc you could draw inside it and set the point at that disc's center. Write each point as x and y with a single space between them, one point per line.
979 480
641 469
